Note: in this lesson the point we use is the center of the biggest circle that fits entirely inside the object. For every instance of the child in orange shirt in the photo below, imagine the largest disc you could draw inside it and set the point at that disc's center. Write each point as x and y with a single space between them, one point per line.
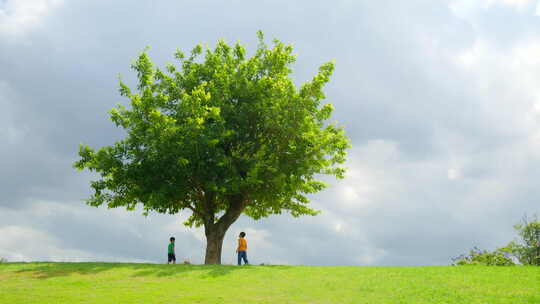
242 249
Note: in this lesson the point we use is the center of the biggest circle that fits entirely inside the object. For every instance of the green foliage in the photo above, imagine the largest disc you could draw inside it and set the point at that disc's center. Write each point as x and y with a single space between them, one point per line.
527 248
477 256
219 133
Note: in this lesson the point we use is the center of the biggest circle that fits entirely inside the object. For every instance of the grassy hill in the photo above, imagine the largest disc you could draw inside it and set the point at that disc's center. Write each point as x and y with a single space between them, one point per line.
147 283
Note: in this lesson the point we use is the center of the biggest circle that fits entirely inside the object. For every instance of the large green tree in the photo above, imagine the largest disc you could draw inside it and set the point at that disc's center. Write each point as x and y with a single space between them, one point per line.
219 135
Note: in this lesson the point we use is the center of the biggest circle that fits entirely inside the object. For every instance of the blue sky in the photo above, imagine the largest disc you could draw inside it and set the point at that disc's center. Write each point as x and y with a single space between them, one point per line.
440 99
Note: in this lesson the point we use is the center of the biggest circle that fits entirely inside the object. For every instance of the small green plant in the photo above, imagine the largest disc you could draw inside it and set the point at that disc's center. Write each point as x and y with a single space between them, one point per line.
477 256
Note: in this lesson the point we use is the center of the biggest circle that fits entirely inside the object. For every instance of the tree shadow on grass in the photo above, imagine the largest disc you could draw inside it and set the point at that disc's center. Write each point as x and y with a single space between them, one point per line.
46 270
209 271
52 270
178 270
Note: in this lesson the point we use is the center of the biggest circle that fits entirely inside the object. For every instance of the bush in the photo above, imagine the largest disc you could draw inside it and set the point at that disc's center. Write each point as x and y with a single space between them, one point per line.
483 257
3 260
527 249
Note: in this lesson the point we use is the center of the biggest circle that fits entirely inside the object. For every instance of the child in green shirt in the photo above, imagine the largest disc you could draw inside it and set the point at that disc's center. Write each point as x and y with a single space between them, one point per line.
170 251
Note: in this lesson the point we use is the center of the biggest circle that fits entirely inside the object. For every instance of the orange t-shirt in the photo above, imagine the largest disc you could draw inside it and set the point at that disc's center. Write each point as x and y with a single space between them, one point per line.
242 244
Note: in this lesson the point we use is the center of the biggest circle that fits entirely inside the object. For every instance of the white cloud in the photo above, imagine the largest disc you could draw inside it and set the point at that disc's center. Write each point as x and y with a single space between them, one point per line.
470 57
350 193
338 227
453 174
367 175
505 82
467 7
517 3
18 16
26 244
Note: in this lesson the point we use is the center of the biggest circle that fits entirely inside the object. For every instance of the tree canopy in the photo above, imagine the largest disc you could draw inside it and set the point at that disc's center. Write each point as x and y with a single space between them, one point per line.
220 134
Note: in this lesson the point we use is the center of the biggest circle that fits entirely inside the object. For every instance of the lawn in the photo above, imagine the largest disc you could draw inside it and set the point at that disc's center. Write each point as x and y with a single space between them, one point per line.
149 283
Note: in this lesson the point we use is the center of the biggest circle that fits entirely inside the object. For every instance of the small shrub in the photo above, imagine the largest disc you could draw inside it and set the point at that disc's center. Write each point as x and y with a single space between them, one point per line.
483 257
527 248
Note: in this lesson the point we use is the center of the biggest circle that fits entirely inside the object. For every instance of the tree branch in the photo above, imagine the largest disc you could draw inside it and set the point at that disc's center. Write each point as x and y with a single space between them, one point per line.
236 206
195 211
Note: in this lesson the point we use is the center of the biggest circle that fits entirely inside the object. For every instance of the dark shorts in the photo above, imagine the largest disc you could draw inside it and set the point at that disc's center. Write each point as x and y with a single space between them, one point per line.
171 257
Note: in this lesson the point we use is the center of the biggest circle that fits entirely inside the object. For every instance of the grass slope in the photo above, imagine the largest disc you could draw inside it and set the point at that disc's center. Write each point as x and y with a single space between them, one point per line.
146 283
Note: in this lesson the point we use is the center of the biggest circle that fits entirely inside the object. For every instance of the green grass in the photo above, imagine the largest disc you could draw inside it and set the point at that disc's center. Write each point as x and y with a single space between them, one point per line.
146 283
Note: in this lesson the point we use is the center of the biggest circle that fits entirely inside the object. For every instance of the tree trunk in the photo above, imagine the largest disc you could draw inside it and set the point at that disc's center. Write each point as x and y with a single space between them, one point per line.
215 231
214 242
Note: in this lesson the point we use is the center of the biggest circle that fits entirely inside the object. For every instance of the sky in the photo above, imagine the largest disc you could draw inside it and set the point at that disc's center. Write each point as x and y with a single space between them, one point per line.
441 101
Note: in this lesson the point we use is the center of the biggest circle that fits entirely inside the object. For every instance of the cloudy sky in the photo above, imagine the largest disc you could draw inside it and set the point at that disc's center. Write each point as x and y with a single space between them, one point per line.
441 100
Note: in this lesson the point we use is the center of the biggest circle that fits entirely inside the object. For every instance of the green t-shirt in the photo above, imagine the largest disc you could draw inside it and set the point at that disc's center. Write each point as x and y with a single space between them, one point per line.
171 248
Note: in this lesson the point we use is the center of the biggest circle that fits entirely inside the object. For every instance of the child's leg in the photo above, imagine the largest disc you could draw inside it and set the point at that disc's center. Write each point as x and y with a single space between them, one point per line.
245 257
239 258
